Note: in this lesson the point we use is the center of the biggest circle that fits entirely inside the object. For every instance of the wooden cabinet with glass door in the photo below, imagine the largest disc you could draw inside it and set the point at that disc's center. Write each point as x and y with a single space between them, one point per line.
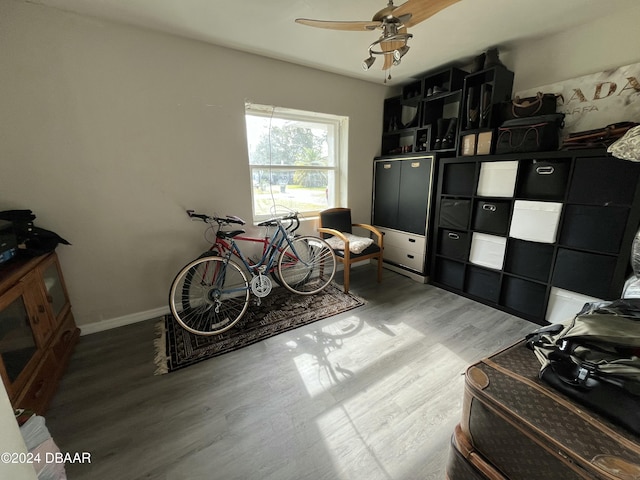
37 330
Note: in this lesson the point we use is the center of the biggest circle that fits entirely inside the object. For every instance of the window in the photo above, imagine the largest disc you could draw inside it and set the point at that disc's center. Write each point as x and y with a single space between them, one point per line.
295 160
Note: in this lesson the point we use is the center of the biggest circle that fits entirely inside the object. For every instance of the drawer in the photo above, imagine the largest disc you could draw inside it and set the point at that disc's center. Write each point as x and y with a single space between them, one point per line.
588 273
497 179
492 216
564 305
449 273
453 244
594 227
544 179
535 221
455 213
483 284
487 250
405 258
406 241
37 394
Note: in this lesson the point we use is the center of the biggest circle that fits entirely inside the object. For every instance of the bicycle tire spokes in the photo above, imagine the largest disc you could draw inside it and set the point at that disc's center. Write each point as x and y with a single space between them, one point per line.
306 265
209 295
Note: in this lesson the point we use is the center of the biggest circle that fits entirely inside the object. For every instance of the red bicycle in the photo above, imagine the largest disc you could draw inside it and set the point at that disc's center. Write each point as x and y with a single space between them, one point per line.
210 294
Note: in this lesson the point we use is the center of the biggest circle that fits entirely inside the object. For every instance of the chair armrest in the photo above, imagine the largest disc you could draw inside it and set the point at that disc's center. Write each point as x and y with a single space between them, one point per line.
337 233
372 229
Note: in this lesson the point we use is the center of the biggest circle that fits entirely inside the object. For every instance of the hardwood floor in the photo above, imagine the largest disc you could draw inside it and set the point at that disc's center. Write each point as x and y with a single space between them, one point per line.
373 393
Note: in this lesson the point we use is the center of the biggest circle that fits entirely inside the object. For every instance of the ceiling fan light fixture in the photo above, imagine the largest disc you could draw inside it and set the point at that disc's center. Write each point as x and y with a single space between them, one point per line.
400 52
367 62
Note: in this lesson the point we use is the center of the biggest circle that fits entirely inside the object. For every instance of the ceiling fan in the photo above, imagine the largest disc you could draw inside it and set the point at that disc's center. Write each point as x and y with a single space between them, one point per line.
393 21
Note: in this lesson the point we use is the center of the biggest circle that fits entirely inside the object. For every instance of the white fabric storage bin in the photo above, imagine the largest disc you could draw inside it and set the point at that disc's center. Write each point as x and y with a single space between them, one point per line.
487 250
535 221
563 305
497 179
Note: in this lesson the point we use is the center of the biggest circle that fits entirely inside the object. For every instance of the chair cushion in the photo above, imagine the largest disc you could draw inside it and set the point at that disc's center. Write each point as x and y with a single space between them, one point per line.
371 249
356 244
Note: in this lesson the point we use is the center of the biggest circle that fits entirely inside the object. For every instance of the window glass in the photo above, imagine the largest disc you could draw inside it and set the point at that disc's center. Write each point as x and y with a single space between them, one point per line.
295 160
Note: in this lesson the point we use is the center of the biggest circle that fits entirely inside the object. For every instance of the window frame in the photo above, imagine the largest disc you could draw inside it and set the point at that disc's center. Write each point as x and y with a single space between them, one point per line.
337 144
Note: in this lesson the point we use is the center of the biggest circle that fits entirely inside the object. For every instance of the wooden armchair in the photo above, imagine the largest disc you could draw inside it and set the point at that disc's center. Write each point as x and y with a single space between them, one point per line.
337 222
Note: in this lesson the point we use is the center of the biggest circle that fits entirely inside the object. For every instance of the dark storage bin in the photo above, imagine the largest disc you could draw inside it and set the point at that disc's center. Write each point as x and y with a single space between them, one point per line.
526 297
587 273
459 179
544 179
492 216
454 213
449 273
594 228
454 244
529 259
483 283
604 181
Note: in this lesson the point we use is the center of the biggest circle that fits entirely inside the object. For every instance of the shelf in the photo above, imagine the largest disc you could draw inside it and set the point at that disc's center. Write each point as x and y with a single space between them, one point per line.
436 116
579 245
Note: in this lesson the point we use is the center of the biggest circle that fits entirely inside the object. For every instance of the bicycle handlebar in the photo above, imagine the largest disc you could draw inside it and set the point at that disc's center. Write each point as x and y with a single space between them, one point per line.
222 221
292 218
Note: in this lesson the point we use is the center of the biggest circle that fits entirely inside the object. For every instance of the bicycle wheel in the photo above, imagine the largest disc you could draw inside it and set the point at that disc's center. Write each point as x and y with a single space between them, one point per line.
209 295
306 265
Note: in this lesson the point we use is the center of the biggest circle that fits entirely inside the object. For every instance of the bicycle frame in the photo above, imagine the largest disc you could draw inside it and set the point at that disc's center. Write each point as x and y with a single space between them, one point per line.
270 245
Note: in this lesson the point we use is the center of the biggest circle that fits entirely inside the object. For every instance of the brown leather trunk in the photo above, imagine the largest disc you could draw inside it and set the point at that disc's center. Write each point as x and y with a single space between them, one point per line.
522 429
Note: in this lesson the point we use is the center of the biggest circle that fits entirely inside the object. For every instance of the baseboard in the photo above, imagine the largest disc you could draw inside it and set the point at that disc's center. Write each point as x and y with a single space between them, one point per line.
103 325
416 277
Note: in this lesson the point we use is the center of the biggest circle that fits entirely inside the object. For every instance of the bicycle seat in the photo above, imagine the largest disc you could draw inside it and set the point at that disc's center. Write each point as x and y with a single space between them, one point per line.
231 234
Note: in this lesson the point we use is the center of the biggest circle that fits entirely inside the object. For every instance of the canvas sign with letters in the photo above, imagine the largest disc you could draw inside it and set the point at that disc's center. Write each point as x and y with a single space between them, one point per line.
597 100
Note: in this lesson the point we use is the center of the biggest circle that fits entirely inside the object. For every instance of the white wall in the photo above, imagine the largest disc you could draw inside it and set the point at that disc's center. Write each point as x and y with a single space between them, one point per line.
108 133
609 42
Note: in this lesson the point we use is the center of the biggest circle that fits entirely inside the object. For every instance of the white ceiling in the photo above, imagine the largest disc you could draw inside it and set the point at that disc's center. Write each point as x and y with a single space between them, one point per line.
267 27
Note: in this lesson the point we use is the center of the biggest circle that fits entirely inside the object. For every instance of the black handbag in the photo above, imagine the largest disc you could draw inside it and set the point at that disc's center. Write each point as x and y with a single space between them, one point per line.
541 104
594 359
534 134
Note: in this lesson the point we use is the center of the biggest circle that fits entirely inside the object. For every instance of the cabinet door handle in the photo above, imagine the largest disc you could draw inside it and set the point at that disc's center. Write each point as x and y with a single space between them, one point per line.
489 207
412 240
453 236
410 256
545 170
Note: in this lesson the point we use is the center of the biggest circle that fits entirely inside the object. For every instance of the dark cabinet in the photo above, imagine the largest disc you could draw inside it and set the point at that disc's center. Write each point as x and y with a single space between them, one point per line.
401 204
401 194
504 250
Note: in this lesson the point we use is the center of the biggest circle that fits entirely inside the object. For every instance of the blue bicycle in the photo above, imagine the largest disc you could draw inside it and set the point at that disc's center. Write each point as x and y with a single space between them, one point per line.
211 294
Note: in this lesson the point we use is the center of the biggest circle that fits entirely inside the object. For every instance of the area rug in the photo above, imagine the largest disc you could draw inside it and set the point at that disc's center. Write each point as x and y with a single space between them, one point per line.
279 312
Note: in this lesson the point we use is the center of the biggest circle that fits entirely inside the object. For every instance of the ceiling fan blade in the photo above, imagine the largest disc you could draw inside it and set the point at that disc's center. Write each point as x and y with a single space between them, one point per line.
388 46
351 26
420 10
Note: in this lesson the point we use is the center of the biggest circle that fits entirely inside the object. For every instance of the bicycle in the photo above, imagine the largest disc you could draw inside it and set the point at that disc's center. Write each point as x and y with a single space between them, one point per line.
210 294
